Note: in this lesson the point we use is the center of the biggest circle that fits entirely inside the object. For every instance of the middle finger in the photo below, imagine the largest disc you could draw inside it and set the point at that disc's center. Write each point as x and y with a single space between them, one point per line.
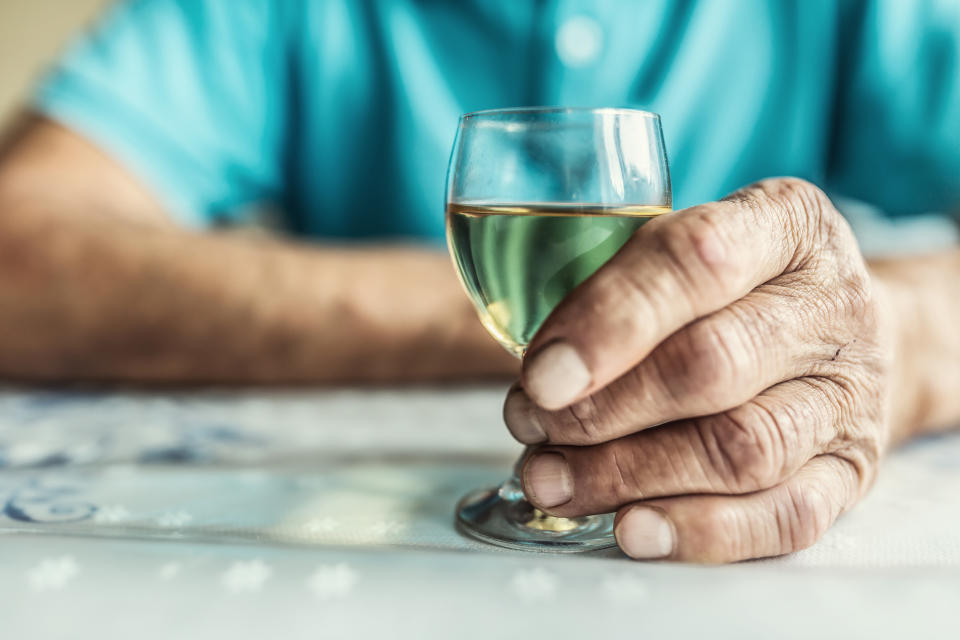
712 365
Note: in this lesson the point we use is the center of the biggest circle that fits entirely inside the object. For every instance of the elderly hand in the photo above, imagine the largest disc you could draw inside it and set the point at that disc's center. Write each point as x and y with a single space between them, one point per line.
724 382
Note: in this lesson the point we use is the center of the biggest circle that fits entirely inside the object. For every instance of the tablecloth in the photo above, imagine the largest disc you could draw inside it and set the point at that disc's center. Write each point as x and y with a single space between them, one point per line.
296 514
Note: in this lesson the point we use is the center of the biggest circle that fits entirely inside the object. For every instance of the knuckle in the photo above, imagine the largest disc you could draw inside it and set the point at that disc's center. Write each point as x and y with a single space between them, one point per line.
856 297
802 209
798 191
583 417
798 197
726 530
699 245
619 295
848 297
856 471
620 464
804 516
609 413
661 380
744 448
713 360
617 283
826 232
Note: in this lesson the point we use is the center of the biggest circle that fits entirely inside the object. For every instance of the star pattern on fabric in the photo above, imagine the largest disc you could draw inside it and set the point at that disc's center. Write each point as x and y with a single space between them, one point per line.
838 542
385 528
246 576
322 525
169 571
332 581
53 574
534 584
110 514
625 588
174 519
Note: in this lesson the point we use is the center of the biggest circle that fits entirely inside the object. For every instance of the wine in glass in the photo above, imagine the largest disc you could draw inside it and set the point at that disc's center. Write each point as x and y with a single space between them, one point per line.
537 200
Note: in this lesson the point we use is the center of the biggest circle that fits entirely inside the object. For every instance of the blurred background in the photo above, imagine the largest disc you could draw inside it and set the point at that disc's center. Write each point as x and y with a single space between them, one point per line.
32 32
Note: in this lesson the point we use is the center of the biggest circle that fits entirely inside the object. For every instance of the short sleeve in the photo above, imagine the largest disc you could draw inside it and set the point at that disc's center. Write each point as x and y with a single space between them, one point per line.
190 95
897 131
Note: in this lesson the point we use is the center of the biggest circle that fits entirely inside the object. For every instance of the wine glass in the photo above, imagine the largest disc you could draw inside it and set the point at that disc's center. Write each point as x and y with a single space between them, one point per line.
537 200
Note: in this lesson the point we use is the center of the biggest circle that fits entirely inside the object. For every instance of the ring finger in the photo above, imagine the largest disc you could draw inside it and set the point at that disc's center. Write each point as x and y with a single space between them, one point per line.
752 447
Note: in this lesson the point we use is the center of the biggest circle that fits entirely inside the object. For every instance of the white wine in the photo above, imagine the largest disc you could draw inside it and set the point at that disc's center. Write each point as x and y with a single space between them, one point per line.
518 261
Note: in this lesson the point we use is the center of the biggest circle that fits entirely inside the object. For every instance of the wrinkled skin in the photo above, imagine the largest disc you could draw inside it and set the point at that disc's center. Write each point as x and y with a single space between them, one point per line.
723 383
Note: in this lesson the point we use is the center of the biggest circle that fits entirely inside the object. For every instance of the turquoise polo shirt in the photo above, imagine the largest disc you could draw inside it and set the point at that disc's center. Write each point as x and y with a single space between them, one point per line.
341 113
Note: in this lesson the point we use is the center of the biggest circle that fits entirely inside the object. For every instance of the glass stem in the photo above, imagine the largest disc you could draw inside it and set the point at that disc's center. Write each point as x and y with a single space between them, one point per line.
512 489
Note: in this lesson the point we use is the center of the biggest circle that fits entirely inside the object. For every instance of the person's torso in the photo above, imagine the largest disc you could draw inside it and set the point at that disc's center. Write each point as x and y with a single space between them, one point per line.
744 88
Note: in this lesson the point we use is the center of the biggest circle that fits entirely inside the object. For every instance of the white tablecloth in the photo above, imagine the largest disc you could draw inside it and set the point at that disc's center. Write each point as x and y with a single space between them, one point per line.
329 514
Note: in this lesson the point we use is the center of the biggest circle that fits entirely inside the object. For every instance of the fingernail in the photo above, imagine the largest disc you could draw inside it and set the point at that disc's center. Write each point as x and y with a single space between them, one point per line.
645 533
556 375
519 413
547 480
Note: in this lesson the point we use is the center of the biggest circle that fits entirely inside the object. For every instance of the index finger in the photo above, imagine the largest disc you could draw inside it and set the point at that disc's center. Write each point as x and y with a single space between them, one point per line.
675 269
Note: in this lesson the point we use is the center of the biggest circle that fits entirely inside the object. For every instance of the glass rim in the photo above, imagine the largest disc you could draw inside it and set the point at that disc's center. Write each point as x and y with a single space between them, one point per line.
557 109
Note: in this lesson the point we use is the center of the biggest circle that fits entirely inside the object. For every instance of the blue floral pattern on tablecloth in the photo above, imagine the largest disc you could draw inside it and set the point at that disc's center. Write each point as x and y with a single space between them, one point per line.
339 504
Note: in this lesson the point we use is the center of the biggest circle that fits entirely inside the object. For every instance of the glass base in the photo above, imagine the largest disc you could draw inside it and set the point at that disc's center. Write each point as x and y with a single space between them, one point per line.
503 517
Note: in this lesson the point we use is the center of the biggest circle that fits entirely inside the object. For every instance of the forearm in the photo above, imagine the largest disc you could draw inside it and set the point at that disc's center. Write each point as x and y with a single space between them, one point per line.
924 293
101 299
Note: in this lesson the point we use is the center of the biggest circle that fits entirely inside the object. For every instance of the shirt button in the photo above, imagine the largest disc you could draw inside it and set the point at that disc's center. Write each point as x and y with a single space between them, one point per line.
579 41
